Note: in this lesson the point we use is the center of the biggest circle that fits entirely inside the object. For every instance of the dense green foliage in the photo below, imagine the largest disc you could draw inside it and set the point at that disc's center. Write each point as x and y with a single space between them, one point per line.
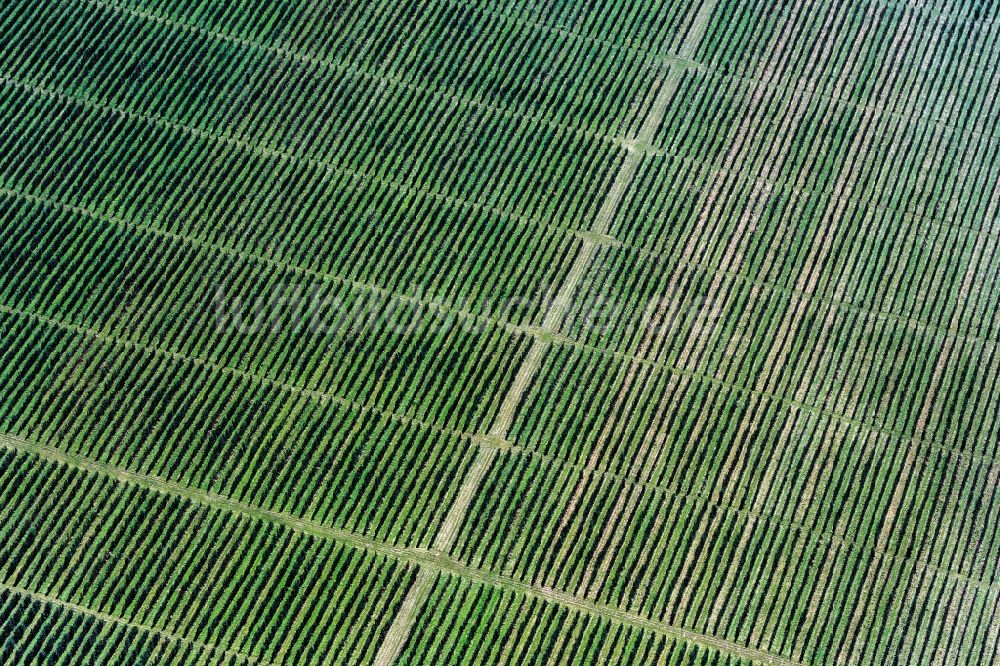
796 463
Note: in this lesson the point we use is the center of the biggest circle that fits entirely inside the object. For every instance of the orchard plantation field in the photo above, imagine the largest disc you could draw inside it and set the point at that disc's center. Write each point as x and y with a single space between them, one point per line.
468 332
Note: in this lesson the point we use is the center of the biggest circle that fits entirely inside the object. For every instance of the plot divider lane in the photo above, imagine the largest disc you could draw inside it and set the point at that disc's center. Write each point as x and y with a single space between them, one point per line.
666 87
430 563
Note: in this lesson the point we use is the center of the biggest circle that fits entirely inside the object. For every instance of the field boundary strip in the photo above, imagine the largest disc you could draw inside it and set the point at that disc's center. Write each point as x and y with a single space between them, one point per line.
666 87
472 204
430 561
346 67
498 444
651 346
349 68
334 167
114 619
252 254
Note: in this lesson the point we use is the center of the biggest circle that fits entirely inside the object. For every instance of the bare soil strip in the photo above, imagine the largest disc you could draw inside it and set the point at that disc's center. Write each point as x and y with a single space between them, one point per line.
448 532
393 642
431 561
